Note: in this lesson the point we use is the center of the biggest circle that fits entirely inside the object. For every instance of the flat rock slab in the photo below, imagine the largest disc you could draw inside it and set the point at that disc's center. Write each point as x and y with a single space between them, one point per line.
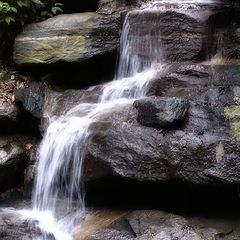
159 225
67 38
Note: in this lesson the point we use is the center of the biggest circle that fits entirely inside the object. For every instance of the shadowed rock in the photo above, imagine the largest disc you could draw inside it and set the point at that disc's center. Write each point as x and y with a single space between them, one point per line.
161 112
12 226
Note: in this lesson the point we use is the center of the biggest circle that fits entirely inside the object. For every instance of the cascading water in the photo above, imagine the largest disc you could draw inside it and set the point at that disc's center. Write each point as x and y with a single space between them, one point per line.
58 193
58 198
58 181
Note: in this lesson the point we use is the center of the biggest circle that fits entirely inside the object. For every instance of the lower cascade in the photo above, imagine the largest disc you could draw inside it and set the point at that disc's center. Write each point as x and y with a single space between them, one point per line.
185 121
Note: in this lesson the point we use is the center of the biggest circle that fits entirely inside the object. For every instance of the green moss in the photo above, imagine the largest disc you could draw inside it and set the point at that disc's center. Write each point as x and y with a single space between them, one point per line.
51 50
235 130
232 112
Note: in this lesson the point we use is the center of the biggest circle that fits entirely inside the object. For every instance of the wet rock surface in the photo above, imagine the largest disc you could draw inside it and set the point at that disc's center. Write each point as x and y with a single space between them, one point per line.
204 148
199 145
161 112
182 37
13 226
152 225
31 99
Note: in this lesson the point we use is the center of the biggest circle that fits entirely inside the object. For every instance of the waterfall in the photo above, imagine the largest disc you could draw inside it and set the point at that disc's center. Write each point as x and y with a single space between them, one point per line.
59 175
139 50
58 196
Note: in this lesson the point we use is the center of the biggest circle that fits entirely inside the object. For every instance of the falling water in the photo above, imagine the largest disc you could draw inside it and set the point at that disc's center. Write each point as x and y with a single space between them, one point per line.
59 176
139 49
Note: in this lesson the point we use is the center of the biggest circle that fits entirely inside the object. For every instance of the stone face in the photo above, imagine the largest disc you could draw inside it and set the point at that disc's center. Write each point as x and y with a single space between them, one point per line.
199 150
8 113
161 112
181 37
126 149
159 225
32 99
111 6
12 162
67 38
13 227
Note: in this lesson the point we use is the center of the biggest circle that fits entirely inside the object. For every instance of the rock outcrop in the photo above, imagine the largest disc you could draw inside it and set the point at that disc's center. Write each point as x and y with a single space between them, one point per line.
67 38
202 149
152 225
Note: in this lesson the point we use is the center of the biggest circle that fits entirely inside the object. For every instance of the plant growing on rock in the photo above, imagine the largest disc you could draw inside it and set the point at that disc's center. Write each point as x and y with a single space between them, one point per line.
16 13
20 12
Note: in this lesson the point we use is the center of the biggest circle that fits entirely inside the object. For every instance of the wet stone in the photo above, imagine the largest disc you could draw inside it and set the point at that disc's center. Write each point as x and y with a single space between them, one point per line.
161 112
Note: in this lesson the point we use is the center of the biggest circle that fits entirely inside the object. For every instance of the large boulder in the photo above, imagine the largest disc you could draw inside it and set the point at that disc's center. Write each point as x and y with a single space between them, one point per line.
175 35
67 38
201 149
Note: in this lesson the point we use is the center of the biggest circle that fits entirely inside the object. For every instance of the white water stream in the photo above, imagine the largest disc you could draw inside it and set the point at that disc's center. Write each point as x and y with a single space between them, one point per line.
59 175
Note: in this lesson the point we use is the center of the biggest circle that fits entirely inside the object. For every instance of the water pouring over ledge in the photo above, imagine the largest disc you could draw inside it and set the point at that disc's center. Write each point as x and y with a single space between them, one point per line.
59 174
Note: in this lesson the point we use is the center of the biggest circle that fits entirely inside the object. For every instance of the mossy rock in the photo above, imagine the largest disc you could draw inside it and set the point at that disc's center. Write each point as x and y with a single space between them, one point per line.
67 38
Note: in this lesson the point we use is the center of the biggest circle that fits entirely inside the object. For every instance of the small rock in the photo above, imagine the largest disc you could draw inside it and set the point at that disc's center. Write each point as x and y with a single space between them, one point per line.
31 98
161 112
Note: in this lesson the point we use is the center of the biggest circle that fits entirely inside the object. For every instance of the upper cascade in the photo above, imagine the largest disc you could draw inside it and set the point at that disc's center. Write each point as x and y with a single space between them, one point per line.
164 5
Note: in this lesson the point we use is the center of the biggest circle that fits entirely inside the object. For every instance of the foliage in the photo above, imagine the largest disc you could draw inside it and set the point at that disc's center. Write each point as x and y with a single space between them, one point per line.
20 12
16 13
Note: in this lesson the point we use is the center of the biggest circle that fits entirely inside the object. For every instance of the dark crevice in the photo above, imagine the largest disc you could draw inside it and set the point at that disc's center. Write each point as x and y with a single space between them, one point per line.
77 6
25 124
177 197
63 75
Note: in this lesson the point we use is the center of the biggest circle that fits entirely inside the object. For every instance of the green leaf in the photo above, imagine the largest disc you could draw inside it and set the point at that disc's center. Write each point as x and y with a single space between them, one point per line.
44 13
38 2
14 9
55 10
8 20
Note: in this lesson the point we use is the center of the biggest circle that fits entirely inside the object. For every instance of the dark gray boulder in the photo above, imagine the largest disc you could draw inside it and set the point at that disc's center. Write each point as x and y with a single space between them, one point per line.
161 112
32 98
202 149
180 37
